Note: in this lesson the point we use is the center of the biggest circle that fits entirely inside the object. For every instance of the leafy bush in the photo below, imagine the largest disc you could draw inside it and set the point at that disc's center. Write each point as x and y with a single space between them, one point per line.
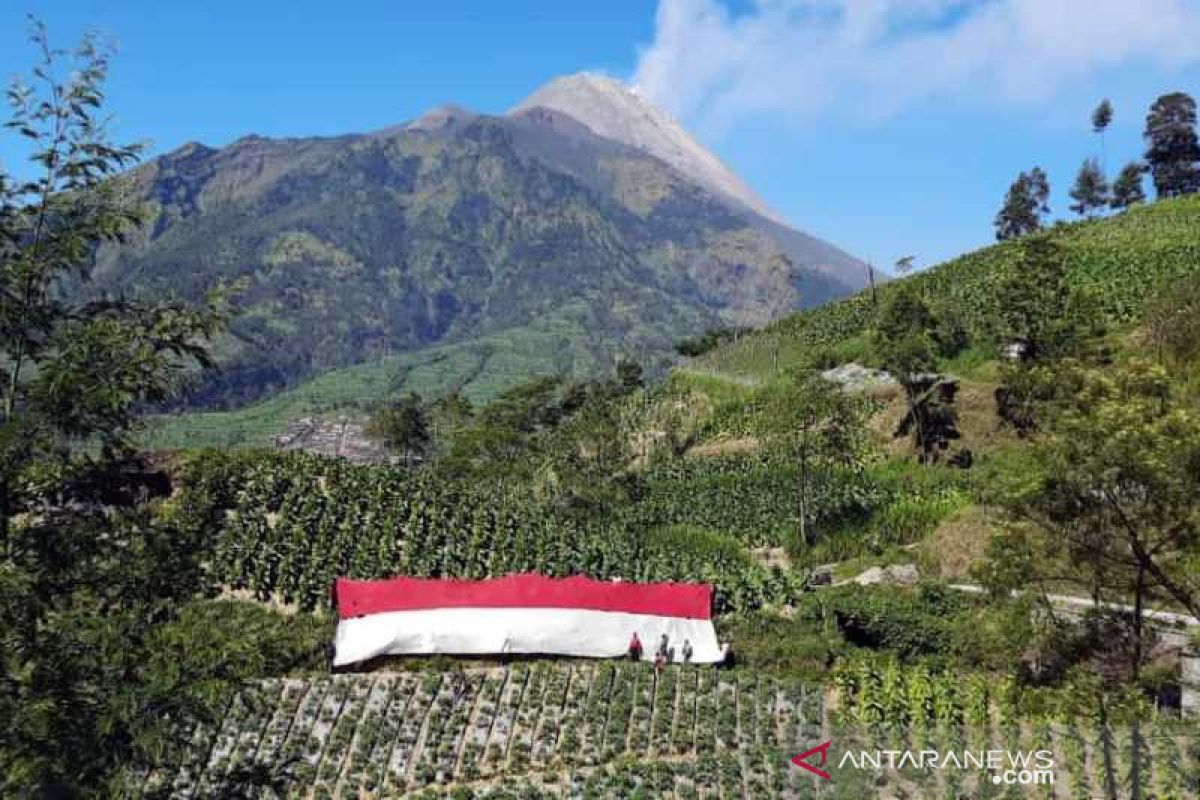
912 623
894 504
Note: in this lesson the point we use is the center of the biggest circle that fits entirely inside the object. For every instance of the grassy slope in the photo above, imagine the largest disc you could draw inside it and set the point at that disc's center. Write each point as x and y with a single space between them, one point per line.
479 369
1122 260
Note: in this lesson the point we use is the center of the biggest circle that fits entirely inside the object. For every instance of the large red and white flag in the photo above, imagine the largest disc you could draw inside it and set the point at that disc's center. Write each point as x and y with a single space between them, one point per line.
521 614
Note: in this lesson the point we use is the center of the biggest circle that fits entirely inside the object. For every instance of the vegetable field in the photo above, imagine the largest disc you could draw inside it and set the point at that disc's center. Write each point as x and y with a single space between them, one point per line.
1124 751
614 730
540 729
287 525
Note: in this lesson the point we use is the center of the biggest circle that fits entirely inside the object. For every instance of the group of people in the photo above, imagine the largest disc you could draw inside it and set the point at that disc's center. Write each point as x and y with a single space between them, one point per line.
665 654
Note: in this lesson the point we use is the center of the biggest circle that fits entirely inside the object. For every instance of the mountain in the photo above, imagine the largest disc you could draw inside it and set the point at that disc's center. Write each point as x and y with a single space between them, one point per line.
529 241
613 110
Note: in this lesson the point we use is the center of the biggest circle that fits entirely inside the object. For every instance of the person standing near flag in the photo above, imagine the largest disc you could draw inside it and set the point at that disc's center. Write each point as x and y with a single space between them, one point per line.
635 648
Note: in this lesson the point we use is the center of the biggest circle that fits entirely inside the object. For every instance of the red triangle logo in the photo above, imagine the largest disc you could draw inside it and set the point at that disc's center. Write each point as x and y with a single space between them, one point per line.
802 760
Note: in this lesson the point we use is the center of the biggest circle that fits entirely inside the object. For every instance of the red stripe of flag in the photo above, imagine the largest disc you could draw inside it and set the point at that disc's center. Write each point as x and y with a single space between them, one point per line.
688 600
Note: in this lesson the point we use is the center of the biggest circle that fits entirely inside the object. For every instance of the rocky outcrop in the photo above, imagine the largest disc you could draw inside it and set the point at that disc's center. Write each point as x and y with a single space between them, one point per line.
339 438
855 378
900 574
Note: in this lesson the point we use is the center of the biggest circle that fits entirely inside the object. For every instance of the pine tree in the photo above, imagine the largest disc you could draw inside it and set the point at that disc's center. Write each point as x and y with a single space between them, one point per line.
1026 201
1090 192
1039 186
1172 149
1101 118
1127 188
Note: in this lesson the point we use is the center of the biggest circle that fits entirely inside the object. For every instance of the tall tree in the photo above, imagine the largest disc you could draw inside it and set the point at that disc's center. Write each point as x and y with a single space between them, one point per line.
1127 188
73 367
1039 185
1117 490
1042 319
86 582
1102 117
1024 204
822 429
1090 191
905 339
403 427
1018 216
1172 148
1039 310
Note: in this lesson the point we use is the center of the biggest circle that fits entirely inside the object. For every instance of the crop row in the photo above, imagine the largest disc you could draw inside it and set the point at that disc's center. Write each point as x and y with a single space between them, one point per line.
289 524
1125 751
593 727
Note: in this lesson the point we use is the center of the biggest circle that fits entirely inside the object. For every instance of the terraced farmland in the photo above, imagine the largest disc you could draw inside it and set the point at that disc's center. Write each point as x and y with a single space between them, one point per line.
530 730
614 730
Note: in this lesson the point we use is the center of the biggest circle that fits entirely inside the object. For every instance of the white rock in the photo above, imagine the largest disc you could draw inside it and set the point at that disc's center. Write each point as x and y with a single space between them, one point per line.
900 574
857 378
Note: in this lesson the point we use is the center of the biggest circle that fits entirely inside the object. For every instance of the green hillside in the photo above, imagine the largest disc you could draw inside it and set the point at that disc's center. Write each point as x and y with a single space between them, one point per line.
893 509
698 477
478 369
1120 261
702 446
954 517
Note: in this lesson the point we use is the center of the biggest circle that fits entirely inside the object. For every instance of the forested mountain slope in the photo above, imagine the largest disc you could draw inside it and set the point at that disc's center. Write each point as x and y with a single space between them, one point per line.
452 228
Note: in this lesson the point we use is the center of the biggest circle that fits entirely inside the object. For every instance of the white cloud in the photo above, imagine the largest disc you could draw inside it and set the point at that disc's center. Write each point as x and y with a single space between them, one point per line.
873 58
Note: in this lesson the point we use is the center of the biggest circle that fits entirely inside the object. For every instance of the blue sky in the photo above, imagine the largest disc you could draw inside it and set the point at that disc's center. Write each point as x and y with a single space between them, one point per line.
889 127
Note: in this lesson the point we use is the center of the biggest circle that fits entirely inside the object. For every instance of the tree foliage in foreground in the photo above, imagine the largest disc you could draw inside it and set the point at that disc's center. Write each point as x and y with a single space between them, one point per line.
88 587
1114 498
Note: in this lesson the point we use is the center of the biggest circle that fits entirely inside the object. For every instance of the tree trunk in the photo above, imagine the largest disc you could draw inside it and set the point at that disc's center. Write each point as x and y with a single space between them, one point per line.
1106 752
1139 590
5 546
914 413
804 495
1135 769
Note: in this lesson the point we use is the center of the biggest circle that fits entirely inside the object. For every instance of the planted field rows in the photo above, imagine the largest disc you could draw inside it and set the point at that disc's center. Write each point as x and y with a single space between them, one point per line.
1155 754
542 729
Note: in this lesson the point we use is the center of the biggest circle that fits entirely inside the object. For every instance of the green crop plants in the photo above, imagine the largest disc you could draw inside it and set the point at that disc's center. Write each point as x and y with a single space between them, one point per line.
286 525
